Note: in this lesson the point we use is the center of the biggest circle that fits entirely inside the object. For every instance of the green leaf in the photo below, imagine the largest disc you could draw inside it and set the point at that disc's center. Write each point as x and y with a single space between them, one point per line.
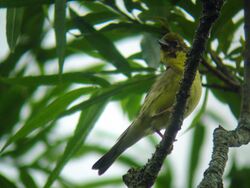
156 9
198 140
130 29
131 5
27 179
77 46
216 117
229 10
179 23
193 9
100 17
95 6
150 50
13 26
33 17
24 145
131 105
231 99
116 91
73 77
87 120
60 31
238 176
225 37
236 51
114 182
101 43
165 179
48 114
12 100
21 3
6 183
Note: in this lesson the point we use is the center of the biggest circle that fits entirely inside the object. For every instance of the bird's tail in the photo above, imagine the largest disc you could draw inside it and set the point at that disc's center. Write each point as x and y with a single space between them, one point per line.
128 138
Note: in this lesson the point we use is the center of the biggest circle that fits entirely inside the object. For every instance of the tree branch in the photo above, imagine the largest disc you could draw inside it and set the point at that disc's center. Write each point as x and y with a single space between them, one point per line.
245 108
220 75
221 66
223 88
241 135
146 176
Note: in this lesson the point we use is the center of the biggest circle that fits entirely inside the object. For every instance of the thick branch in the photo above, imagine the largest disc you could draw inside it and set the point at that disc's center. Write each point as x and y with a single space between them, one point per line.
245 107
241 135
222 141
146 176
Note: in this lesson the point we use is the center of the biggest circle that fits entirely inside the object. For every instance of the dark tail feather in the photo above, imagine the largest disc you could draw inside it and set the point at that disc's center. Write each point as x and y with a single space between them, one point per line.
107 160
130 136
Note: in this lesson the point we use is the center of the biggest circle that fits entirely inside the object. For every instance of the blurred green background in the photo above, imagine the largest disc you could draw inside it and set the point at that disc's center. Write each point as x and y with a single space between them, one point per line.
73 76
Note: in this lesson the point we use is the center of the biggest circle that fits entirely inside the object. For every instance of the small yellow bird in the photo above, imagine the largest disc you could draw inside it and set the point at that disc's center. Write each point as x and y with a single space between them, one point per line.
158 104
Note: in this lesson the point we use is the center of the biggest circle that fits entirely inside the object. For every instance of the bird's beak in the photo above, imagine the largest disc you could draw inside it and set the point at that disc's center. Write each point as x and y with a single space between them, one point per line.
163 43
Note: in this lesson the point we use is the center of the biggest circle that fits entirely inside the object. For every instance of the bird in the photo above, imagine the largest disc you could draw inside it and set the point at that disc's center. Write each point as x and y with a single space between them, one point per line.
158 103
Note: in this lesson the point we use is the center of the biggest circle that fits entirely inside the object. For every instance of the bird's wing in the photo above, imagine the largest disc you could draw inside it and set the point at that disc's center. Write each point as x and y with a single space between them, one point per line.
162 94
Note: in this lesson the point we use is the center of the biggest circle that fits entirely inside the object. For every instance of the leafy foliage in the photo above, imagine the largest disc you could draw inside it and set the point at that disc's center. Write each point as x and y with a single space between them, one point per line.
94 29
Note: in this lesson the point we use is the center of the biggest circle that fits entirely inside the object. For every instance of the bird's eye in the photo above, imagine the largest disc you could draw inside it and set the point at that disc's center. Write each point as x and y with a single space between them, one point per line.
174 43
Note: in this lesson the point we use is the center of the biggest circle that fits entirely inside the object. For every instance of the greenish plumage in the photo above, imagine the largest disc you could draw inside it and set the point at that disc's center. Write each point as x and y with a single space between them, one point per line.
158 104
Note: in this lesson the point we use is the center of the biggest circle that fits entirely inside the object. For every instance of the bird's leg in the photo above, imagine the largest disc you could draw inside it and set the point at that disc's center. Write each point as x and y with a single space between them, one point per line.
160 114
158 132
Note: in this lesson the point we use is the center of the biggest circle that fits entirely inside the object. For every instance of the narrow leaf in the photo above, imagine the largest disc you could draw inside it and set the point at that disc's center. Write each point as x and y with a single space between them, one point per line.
165 179
13 26
131 28
74 77
114 182
60 31
87 120
116 91
101 17
198 140
6 183
48 114
22 3
150 50
100 42
27 179
131 105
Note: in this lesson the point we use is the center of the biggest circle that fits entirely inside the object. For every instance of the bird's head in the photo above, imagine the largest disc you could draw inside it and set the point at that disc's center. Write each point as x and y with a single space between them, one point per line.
173 51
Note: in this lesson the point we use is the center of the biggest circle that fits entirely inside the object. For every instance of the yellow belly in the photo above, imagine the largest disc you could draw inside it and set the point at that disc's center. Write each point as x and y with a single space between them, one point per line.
159 101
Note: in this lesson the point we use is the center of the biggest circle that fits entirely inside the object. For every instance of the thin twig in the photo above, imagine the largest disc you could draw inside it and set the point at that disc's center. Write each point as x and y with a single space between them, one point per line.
221 76
221 66
146 176
220 87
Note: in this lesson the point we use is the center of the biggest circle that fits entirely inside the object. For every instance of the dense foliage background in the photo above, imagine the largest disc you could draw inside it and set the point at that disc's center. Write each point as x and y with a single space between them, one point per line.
35 94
